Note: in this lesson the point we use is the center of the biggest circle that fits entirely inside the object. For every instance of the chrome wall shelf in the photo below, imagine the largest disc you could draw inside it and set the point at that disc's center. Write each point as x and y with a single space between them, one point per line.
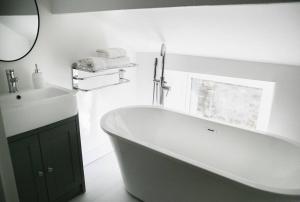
120 71
75 67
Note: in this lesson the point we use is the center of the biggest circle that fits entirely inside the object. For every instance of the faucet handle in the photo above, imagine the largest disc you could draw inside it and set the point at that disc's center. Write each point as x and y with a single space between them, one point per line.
165 87
15 79
168 88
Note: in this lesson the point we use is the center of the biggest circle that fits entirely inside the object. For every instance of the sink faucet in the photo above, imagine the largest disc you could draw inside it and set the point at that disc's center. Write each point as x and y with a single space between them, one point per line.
12 81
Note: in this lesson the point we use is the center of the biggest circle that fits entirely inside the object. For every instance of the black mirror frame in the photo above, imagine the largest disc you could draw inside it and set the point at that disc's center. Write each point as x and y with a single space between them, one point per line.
36 37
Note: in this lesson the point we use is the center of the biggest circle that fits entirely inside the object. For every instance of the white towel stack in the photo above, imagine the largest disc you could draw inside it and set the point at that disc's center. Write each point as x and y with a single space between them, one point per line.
111 53
107 59
91 64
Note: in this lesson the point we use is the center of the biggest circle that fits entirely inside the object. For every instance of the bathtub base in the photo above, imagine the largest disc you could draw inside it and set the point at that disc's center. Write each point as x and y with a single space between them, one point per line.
155 177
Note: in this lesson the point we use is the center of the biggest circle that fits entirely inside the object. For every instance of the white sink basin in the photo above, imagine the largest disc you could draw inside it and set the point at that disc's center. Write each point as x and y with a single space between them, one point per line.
27 110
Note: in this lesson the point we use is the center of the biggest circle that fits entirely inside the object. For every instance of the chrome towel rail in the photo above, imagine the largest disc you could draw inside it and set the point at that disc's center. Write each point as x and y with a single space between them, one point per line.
121 71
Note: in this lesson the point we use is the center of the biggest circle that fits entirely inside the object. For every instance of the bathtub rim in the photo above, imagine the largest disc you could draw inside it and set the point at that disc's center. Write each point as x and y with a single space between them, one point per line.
211 169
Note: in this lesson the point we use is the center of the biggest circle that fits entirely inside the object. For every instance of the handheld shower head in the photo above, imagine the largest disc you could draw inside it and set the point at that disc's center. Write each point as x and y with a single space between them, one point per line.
163 55
155 68
163 50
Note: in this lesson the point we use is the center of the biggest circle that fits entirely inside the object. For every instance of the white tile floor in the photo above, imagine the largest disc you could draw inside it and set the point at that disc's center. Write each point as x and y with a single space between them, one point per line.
104 182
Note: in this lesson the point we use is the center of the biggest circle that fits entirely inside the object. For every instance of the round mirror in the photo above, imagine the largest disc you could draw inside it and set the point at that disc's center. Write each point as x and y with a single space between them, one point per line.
19 28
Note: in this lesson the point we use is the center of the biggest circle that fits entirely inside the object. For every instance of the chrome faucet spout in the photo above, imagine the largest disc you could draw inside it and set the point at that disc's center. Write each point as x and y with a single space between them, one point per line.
12 81
160 88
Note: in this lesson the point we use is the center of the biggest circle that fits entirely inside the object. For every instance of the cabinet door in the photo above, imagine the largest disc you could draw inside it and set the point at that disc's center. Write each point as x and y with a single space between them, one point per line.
28 169
1 191
61 156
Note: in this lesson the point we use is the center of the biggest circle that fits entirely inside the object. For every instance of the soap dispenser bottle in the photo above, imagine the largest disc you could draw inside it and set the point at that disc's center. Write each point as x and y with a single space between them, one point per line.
37 78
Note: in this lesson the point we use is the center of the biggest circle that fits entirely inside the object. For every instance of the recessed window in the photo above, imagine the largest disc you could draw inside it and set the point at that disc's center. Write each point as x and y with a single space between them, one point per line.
240 102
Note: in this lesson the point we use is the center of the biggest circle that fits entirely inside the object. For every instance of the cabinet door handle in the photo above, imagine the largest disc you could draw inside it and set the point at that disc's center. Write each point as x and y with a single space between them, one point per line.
50 170
40 173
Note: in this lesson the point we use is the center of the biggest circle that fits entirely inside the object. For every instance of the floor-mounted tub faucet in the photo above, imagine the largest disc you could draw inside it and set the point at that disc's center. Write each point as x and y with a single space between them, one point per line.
163 84
155 97
160 93
12 81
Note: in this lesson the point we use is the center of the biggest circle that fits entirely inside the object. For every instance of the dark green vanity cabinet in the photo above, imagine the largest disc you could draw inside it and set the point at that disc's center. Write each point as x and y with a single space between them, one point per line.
48 162
1 191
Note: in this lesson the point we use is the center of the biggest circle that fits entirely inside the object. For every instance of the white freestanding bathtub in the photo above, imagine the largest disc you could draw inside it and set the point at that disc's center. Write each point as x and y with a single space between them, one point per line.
167 156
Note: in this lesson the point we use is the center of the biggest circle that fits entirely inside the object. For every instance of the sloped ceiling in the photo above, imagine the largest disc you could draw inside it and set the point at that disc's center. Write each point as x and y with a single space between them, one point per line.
262 33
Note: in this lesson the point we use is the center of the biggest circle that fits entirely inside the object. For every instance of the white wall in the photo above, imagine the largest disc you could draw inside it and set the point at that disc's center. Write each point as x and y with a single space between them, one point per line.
93 105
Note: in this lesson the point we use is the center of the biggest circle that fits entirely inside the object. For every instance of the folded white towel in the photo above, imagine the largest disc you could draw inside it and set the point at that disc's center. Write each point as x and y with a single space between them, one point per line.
91 63
117 62
111 53
94 64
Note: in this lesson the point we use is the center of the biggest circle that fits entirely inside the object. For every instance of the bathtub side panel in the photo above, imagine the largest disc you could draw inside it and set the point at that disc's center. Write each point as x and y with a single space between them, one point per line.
154 177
